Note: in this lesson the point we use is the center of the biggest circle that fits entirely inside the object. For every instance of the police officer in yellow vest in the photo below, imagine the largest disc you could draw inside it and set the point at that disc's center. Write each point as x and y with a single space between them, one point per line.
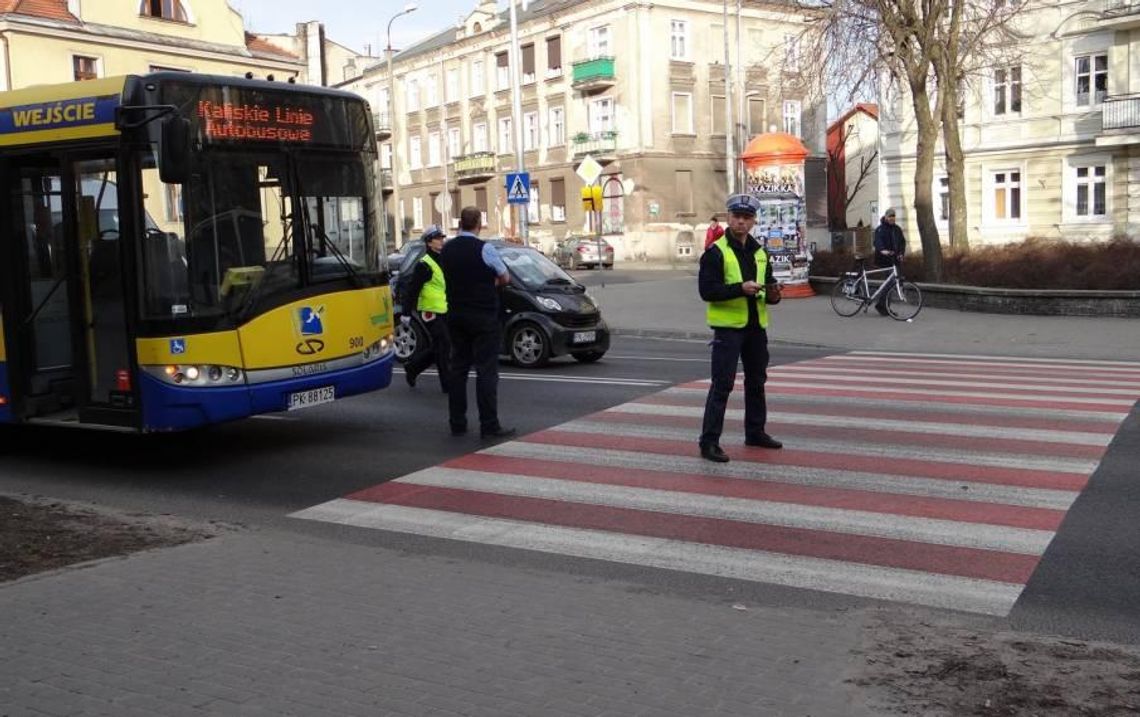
738 315
427 291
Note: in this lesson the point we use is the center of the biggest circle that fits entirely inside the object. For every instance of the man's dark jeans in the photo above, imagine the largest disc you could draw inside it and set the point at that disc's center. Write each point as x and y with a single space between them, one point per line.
475 340
730 346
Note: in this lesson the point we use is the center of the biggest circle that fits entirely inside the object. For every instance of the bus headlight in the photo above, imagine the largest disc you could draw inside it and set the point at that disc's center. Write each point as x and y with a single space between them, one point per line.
197 374
377 349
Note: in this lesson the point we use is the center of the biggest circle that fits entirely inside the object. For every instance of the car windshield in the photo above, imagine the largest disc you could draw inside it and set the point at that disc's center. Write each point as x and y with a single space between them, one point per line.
533 269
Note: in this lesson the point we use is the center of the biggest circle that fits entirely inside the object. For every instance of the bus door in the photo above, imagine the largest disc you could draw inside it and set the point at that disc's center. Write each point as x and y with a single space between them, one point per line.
71 322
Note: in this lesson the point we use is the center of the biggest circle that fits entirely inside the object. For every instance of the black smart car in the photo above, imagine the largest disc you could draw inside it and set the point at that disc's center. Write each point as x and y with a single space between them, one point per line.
545 312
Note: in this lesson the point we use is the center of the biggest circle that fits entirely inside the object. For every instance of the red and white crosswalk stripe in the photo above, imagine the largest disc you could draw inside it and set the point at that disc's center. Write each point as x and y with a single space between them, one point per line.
931 479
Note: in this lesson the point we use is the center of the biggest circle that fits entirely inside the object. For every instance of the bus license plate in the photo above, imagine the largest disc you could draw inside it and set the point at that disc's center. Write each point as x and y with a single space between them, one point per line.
314 397
585 337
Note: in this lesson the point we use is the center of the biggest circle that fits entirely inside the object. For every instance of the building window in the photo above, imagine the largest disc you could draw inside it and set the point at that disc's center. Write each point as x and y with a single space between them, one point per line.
1007 90
433 149
598 41
415 161
173 205
1092 79
1006 195
528 64
1092 199
554 56
558 200
386 155
481 204
532 212
601 115
943 199
683 182
792 117
451 87
479 137
717 115
505 143
417 212
436 215
454 143
682 113
412 95
432 91
791 53
530 131
757 113
678 40
557 130
85 68
502 71
165 9
478 84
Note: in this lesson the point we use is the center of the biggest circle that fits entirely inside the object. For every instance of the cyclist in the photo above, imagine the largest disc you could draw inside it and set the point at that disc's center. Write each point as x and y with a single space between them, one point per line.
890 246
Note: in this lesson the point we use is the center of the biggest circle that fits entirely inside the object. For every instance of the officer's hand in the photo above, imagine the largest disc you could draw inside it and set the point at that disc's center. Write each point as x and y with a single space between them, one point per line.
750 288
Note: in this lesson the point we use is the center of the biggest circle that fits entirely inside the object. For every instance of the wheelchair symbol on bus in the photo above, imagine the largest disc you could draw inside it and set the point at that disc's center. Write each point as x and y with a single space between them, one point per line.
177 346
310 320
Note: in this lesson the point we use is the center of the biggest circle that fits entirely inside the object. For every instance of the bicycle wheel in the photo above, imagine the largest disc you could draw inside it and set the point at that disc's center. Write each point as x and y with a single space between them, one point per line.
904 301
848 297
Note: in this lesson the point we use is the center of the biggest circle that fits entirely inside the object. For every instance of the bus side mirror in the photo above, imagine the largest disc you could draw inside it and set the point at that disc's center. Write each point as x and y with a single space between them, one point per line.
174 150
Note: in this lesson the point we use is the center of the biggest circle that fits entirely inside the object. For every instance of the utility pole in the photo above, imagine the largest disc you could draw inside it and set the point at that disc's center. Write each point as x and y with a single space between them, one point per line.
516 110
396 141
729 115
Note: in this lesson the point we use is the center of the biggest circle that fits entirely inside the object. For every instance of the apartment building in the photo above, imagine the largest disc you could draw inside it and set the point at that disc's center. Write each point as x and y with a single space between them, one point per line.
1050 136
853 168
637 86
49 41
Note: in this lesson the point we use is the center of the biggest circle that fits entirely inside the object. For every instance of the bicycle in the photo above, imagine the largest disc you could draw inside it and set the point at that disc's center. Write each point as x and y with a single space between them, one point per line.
853 292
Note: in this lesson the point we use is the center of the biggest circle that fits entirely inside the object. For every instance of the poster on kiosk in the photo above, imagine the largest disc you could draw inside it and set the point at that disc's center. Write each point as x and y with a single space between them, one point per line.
774 173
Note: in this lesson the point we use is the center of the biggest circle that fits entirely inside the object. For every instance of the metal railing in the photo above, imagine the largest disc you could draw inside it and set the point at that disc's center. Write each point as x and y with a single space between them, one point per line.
386 179
381 121
1120 112
475 164
595 143
1121 7
594 69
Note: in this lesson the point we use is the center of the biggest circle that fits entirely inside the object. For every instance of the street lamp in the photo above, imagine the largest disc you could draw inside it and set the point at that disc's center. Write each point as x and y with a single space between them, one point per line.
397 211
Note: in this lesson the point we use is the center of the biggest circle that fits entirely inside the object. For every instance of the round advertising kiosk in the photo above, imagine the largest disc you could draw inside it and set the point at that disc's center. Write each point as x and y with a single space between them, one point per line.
774 174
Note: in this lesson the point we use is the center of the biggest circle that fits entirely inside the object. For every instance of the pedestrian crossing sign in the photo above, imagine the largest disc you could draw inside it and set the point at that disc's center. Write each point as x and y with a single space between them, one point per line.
518 188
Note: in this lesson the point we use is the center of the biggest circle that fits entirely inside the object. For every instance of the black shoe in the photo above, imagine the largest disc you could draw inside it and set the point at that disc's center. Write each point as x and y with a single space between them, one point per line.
882 311
499 432
713 452
763 441
410 378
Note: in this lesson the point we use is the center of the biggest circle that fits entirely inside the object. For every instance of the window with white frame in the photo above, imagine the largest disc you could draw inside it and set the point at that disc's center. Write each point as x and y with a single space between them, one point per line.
451 88
412 94
1091 74
505 143
558 200
1005 195
417 212
382 100
530 130
386 155
678 40
478 83
557 128
532 213
943 187
479 137
454 143
86 68
502 71
1007 90
431 90
682 113
433 149
598 41
415 160
601 115
792 117
1091 191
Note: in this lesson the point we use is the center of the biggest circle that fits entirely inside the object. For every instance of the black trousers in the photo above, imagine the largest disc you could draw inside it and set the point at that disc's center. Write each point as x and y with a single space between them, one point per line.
439 352
476 337
729 347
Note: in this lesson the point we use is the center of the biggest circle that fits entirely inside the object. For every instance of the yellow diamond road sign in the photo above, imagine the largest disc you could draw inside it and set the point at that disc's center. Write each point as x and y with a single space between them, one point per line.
589 170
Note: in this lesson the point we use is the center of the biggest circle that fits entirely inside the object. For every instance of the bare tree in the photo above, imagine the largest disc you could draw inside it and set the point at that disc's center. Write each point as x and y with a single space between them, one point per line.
837 156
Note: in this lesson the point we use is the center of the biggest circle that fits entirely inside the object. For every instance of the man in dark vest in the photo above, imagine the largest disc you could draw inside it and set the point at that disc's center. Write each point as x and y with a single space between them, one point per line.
737 283
474 271
890 245
427 291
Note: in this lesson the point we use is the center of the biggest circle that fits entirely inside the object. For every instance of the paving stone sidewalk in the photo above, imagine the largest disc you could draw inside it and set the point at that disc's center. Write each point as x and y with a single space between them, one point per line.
273 623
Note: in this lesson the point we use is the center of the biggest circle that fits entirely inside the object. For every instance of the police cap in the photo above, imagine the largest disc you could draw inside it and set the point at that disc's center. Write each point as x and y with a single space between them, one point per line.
742 204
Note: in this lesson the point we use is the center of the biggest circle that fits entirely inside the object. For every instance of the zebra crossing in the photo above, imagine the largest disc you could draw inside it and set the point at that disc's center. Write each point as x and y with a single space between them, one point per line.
930 479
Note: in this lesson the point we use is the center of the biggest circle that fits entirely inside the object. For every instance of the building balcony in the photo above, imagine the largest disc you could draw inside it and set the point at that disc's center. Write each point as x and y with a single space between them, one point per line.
594 75
602 146
382 124
1119 121
475 167
1120 14
387 181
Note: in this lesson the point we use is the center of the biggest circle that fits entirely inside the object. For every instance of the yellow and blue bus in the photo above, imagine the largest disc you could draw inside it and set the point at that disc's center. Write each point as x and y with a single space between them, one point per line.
178 250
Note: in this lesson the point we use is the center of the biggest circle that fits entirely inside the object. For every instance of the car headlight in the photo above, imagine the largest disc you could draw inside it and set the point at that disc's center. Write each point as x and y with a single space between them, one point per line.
548 303
197 374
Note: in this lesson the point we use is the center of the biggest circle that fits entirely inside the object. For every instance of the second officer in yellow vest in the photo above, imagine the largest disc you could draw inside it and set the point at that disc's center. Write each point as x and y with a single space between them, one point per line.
427 291
737 283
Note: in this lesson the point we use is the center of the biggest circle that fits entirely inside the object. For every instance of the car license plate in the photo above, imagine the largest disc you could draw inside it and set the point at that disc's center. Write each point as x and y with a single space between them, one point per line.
314 397
585 337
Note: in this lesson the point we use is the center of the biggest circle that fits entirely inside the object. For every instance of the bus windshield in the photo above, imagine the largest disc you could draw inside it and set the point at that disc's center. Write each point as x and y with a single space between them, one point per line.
252 228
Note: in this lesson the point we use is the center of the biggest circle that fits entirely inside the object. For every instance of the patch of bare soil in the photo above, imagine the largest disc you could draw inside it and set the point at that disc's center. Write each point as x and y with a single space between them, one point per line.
921 667
37 535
